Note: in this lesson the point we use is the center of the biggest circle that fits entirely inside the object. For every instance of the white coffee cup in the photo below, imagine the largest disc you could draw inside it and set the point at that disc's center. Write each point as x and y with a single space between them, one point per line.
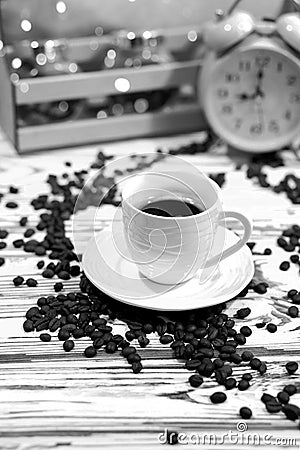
171 250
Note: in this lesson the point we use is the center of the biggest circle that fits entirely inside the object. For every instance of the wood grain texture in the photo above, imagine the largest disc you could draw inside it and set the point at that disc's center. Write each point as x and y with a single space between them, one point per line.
51 399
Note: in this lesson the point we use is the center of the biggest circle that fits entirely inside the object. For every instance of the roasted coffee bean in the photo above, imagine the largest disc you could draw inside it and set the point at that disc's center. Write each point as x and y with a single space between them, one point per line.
283 397
133 357
206 352
75 271
128 350
220 375
90 352
240 339
246 331
218 397
230 383
111 347
45 337
179 334
243 385
267 251
63 275
18 243
23 221
200 332
296 299
247 376
294 259
206 368
292 412
273 406
143 341
193 364
3 234
243 313
129 335
260 288
11 205
58 287
48 273
98 343
284 266
255 363
29 232
68 345
40 264
188 337
136 367
63 335
40 250
263 368
195 380
218 363
271 327
291 367
33 312
260 325
166 339
54 325
290 389
267 398
18 281
3 245
2 261
236 358
31 282
293 311
291 293
148 328
245 412
28 326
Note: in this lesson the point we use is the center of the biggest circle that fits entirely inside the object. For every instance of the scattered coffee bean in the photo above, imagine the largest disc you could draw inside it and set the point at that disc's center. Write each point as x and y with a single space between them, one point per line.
260 325
267 251
296 299
40 264
195 380
291 367
218 397
64 275
247 355
58 287
136 367
166 339
243 313
68 345
45 337
290 389
294 259
28 326
11 205
284 266
23 221
292 293
13 190
2 261
255 363
3 234
29 232
243 385
246 331
271 327
293 311
18 281
247 376
31 282
292 412
48 273
245 412
230 383
283 397
3 245
273 406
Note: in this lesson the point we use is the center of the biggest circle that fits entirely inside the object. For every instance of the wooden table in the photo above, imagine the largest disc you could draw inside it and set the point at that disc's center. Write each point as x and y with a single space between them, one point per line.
52 399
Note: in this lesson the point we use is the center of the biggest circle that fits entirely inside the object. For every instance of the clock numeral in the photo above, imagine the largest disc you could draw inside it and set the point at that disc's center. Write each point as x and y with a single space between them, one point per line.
294 98
291 80
273 126
262 61
279 67
226 109
222 93
232 77
238 124
245 66
256 129
288 114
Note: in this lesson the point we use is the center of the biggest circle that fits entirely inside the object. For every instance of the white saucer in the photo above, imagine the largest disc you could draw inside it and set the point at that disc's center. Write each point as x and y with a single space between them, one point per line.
113 274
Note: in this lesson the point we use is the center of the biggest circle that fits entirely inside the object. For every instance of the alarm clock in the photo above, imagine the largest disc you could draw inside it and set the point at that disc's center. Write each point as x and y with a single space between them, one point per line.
249 85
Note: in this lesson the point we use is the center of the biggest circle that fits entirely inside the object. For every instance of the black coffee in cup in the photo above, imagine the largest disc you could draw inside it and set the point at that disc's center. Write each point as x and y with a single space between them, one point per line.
171 208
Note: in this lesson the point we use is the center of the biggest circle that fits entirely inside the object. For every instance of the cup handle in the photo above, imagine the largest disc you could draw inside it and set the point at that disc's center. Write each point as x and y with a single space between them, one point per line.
247 225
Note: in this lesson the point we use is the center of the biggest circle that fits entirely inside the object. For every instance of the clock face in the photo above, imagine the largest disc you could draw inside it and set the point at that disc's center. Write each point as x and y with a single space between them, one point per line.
252 99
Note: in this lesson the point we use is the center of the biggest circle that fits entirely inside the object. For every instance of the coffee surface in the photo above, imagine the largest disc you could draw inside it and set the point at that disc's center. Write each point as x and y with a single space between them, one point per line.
171 208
